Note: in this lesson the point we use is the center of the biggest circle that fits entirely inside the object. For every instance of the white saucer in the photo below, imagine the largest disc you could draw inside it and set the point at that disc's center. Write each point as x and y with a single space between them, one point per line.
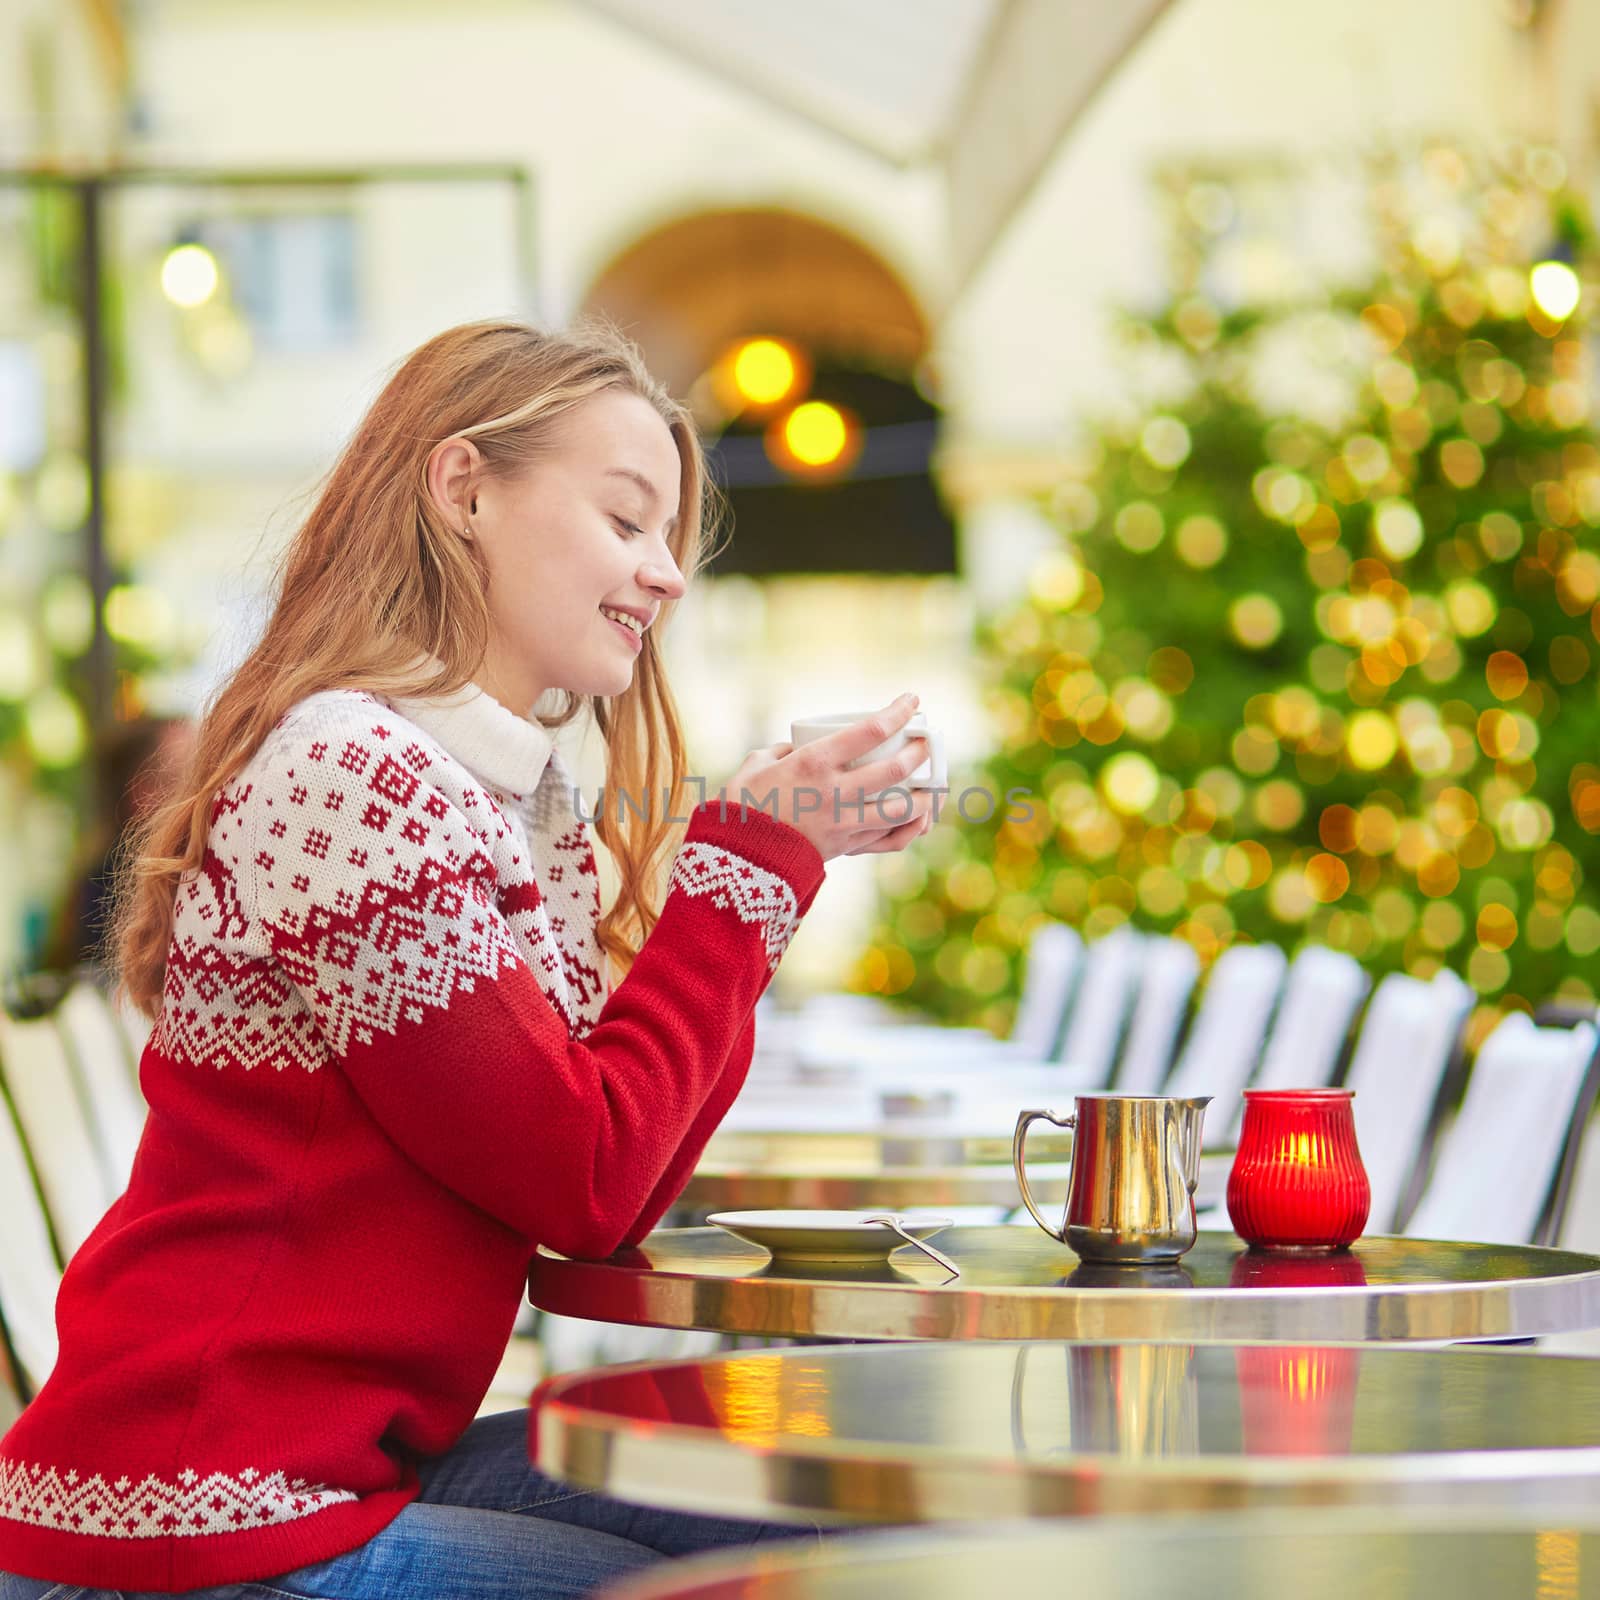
843 1236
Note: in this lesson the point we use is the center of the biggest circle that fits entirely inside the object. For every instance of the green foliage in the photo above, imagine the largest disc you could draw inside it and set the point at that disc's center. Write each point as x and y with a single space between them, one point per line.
1316 656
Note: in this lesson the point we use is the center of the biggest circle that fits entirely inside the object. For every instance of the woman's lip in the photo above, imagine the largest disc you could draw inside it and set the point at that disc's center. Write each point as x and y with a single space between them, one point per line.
636 640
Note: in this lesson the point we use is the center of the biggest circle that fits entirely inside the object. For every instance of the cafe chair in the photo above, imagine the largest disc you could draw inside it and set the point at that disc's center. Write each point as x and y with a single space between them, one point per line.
52 1113
135 1029
30 1263
1171 969
1224 1044
1410 1040
97 1049
1321 996
1049 980
1099 1016
1504 1170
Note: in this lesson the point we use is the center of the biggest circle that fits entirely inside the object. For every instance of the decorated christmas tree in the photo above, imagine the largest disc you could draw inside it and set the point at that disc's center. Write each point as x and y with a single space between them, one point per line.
1316 657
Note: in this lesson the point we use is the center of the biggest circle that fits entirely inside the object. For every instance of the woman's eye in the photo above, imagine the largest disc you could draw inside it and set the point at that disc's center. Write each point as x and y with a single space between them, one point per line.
626 526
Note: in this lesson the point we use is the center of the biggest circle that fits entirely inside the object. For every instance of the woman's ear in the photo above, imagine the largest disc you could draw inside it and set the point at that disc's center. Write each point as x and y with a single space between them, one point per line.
452 466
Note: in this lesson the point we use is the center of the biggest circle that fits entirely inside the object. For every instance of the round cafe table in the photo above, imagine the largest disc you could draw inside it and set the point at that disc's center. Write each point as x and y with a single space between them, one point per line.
1018 1283
962 1432
1243 1556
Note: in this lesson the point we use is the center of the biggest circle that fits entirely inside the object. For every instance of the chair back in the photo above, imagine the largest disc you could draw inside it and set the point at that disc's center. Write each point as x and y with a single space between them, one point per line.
135 1029
1224 1044
1099 1014
30 1264
53 1117
1504 1168
1171 968
98 1049
1321 996
1408 1040
1055 953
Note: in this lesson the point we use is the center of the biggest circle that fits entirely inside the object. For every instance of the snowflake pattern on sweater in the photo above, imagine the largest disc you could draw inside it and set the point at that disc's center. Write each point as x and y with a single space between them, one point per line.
375 873
216 1502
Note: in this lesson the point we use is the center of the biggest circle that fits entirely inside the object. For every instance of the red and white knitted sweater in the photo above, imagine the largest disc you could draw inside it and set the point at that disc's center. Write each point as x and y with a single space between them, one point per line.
387 1067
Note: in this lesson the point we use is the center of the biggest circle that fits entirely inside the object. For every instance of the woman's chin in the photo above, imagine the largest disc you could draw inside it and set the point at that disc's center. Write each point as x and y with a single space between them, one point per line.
606 685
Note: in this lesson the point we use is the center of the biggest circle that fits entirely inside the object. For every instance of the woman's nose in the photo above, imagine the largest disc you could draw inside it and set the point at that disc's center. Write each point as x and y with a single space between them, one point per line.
661 576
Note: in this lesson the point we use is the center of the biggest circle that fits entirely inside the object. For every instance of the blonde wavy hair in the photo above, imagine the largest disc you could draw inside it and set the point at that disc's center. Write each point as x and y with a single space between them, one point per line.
376 579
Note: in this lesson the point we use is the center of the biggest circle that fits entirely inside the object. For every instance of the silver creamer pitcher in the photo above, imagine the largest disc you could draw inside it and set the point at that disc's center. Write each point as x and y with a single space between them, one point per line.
1135 1163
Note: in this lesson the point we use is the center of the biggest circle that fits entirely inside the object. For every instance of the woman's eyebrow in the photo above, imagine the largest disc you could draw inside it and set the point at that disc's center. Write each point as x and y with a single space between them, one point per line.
635 477
650 494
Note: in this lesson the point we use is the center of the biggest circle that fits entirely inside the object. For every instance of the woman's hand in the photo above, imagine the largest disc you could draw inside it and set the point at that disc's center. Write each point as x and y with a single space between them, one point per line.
843 812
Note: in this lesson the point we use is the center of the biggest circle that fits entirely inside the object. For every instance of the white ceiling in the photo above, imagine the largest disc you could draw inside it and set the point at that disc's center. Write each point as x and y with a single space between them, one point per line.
886 74
985 89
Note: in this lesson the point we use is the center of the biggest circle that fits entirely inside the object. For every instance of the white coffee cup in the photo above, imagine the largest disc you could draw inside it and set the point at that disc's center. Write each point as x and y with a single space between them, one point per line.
932 774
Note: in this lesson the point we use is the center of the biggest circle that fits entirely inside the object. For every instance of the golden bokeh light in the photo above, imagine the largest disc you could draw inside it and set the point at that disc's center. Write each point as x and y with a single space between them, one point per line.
1255 620
1327 878
764 371
1397 528
816 433
1506 674
1165 443
1371 740
1555 289
1057 581
1131 783
1471 608
1139 527
1200 541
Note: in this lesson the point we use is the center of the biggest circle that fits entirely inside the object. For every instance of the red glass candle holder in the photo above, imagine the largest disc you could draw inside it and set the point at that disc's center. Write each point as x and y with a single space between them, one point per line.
1297 1181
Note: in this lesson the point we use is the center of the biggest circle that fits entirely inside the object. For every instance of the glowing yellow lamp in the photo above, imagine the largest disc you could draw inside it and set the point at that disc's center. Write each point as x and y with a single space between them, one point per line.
813 437
764 371
1555 289
189 275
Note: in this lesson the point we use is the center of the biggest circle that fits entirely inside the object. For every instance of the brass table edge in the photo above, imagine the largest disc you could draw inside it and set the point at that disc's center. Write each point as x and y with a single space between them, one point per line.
788 1482
1512 1308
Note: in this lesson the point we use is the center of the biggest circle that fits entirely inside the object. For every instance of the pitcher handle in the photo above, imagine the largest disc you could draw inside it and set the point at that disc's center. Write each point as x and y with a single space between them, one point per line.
1020 1164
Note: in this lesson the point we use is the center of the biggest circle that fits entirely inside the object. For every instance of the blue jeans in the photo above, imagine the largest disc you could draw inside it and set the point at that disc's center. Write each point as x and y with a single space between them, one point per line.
486 1527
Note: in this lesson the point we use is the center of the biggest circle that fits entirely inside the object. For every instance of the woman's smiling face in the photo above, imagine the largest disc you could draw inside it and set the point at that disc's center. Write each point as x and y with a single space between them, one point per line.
587 530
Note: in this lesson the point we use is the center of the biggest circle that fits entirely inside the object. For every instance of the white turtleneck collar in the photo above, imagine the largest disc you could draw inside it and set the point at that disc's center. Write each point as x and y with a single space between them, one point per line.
507 752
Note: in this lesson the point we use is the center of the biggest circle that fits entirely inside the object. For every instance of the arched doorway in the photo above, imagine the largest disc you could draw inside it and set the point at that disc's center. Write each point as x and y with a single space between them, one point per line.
686 290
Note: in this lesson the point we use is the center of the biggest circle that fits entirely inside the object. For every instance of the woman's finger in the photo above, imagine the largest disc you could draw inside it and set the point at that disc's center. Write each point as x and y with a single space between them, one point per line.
852 742
892 838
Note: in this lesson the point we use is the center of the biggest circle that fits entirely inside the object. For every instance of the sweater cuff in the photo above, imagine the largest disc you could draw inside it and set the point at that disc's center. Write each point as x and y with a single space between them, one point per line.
761 840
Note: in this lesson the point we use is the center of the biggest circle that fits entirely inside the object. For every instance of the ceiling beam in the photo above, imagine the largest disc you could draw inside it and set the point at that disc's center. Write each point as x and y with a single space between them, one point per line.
1042 64
766 84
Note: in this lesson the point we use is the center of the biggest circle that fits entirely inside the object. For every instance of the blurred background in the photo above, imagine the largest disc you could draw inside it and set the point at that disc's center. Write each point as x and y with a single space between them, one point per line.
1191 399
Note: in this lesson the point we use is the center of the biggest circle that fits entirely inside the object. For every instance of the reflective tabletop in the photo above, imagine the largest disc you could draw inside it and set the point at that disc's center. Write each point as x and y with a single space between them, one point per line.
1018 1283
1245 1556
936 1432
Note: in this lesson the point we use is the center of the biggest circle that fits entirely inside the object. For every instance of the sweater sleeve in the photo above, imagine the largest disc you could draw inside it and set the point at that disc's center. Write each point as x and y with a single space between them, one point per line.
378 902
726 1091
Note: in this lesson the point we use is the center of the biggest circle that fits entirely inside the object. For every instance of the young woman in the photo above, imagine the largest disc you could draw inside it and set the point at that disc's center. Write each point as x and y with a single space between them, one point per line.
387 1061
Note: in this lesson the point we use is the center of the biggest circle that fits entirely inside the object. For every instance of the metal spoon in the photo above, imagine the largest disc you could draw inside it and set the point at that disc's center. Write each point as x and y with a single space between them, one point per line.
899 1227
